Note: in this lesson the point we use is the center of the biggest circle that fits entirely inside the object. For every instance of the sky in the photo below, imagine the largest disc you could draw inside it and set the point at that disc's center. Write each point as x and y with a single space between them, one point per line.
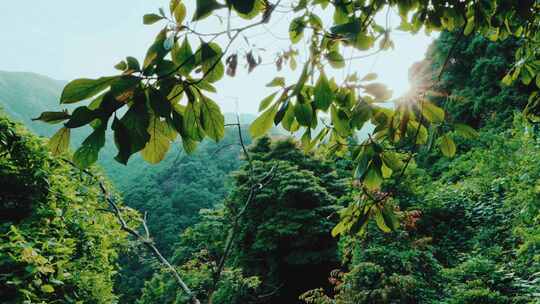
68 39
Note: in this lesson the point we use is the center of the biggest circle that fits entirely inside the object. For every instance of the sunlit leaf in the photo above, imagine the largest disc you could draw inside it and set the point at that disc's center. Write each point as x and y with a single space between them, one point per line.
264 122
212 65
158 145
192 121
267 101
447 145
59 143
379 220
179 13
277 82
432 112
296 29
151 18
182 55
373 178
323 94
466 131
81 89
212 119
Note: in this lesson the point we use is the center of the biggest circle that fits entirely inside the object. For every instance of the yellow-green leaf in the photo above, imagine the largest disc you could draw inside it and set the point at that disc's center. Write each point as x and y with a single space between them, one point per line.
151 18
432 112
264 122
448 147
158 145
59 143
373 178
180 13
81 89
47 288
323 93
466 131
266 101
379 219
213 121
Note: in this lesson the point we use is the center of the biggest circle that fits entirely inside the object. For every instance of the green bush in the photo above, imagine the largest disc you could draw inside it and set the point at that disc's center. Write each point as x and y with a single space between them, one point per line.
56 245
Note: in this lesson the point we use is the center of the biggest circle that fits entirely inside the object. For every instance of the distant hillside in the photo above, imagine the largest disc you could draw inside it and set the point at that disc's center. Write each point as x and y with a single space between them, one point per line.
25 95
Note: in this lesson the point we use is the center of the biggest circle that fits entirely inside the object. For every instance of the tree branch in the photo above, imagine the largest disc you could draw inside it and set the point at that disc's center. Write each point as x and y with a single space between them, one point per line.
146 240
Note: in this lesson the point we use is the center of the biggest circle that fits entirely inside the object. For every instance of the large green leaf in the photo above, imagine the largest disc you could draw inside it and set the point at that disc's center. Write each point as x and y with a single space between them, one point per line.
183 57
392 160
466 131
303 113
59 143
88 152
243 6
81 89
373 178
81 116
136 121
213 121
335 59
267 101
53 117
432 112
192 121
212 66
156 52
179 12
379 220
158 145
350 29
296 29
447 145
389 217
159 103
323 93
205 8
152 18
264 122
340 121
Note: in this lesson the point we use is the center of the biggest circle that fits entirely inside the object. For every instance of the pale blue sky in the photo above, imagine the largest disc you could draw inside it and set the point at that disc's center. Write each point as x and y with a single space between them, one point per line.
67 39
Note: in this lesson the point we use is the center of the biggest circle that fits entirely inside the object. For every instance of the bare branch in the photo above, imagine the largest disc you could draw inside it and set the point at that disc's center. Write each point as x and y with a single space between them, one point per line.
144 240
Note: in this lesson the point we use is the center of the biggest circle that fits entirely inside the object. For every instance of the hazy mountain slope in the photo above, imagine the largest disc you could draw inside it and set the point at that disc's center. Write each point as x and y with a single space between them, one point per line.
25 95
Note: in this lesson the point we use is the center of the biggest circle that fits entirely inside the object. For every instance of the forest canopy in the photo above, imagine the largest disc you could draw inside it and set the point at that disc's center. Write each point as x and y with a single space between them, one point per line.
428 207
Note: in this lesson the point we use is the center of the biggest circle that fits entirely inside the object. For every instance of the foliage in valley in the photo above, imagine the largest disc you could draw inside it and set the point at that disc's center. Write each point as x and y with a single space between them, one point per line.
58 244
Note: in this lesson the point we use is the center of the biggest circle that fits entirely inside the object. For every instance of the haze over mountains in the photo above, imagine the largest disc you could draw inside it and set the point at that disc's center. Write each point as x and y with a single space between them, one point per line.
24 95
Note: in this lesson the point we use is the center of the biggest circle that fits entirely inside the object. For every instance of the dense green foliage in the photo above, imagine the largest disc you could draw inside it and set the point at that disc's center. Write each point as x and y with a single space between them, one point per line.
413 227
469 85
469 236
172 193
283 238
57 245
167 95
